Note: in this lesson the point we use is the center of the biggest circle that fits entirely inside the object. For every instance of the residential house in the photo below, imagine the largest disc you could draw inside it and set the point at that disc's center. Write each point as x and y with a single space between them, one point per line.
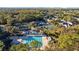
65 23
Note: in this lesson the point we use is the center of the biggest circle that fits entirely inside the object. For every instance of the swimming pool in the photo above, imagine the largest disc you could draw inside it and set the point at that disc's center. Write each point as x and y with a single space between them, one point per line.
26 39
41 39
29 39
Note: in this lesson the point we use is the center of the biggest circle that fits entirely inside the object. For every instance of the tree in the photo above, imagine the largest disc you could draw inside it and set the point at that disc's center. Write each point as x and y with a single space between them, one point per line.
20 47
52 46
35 44
2 19
67 41
1 45
67 17
55 22
9 28
21 17
9 20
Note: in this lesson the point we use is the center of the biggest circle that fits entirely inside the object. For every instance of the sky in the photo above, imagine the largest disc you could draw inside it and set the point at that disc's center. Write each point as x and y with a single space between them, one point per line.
40 3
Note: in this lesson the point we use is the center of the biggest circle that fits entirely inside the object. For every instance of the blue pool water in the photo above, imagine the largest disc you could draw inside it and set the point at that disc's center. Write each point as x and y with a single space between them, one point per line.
26 39
29 39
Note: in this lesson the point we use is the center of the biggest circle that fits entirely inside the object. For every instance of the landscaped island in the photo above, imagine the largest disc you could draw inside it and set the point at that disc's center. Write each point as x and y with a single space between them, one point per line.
39 29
